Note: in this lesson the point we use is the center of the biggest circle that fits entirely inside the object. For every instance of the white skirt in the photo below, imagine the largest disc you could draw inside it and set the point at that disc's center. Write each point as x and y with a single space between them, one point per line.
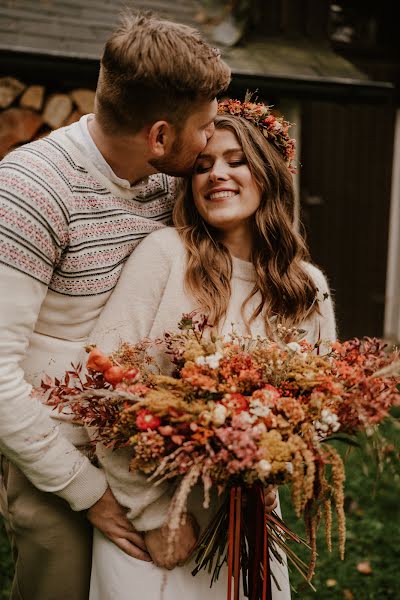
117 576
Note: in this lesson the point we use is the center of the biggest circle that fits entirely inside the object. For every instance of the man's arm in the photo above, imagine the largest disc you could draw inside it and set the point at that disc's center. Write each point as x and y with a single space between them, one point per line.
33 231
28 436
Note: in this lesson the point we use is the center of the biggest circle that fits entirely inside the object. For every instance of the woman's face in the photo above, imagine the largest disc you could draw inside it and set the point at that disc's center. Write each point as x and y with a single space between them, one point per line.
224 191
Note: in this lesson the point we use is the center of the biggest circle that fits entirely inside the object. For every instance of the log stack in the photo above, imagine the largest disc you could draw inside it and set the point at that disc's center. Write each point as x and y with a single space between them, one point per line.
29 112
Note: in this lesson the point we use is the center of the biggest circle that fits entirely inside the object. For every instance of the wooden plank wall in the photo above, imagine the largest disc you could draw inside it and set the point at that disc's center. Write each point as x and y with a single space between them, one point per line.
345 195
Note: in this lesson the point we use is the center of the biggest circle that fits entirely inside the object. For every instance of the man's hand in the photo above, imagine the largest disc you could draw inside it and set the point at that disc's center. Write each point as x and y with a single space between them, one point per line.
184 542
270 498
110 518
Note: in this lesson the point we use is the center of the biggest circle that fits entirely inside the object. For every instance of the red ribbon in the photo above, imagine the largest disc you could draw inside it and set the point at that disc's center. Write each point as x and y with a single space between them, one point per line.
253 526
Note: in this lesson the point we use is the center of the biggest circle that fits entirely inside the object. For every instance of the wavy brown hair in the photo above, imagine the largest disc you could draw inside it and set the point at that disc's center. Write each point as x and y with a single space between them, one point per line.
286 289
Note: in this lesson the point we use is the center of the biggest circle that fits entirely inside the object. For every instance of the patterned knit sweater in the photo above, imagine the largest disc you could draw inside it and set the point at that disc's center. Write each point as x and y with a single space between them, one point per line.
65 232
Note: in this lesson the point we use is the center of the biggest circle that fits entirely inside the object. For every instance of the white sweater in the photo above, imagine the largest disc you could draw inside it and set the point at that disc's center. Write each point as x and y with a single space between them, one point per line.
149 299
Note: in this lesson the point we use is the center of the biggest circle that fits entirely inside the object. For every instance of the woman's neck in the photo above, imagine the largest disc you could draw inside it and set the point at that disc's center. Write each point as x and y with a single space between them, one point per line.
239 242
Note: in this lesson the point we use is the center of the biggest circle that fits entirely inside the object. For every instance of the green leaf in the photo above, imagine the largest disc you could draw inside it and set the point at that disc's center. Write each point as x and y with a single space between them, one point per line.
344 439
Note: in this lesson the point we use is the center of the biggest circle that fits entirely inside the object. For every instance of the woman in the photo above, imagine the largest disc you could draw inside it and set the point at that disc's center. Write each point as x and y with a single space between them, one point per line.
234 256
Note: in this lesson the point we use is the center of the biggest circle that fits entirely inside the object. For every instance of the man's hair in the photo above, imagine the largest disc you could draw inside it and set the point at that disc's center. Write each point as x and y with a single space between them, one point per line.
153 70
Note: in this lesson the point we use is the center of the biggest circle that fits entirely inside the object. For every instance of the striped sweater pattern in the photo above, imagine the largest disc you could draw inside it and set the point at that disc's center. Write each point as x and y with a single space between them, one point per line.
66 227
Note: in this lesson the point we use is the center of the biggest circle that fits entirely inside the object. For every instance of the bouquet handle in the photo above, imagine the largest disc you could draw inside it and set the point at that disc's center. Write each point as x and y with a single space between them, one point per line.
246 514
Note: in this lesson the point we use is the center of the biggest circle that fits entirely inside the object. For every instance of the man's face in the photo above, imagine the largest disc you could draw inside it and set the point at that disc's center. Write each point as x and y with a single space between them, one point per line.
189 142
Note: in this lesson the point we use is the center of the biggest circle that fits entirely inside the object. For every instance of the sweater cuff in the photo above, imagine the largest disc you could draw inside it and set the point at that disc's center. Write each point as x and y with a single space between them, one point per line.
87 487
154 516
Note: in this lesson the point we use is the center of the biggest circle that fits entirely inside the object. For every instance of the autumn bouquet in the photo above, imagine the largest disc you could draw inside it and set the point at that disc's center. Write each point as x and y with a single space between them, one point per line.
237 414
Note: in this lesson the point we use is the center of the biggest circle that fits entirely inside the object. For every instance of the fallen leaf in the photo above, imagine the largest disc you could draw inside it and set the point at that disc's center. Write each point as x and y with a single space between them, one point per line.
364 567
348 595
331 582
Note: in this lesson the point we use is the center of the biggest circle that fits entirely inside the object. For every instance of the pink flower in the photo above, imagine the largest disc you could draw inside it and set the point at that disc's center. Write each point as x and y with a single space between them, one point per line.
166 430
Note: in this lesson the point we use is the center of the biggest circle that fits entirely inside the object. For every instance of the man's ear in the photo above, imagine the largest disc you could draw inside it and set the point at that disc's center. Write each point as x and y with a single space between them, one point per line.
160 138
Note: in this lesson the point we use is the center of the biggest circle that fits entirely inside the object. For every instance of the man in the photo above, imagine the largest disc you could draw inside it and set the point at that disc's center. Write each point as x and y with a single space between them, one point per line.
72 208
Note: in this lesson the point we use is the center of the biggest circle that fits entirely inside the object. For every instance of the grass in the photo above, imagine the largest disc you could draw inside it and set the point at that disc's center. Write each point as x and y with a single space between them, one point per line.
373 534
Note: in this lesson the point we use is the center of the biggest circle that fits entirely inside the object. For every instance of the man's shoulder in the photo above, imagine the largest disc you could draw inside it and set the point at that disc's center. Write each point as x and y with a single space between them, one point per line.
40 156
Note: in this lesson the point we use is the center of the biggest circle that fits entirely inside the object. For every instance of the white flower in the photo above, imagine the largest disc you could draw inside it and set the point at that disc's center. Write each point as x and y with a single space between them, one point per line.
289 468
218 415
211 361
263 467
246 418
259 409
277 126
329 421
294 346
259 429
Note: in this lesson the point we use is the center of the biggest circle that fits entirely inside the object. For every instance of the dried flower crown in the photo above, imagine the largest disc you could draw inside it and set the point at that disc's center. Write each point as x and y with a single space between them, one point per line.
274 129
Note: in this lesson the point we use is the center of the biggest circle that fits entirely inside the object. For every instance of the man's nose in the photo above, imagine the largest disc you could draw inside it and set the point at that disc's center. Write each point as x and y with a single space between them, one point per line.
210 130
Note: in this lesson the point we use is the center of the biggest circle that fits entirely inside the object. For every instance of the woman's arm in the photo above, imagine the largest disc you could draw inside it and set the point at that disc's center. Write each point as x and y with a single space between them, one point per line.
128 317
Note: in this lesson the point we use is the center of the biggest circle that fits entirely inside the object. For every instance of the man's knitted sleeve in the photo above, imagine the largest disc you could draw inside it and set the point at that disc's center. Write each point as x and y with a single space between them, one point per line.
33 233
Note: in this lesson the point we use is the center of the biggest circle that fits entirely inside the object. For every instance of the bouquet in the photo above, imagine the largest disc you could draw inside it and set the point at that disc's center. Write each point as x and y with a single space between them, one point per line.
237 414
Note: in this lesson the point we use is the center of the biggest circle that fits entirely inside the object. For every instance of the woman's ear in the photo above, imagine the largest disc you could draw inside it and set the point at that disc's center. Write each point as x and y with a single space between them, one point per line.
160 138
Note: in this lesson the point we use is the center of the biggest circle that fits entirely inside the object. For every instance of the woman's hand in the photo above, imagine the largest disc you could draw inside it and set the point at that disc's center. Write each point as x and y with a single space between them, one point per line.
184 542
270 498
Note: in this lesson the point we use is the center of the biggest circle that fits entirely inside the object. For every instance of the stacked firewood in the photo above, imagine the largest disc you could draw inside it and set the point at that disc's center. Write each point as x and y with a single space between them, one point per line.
31 112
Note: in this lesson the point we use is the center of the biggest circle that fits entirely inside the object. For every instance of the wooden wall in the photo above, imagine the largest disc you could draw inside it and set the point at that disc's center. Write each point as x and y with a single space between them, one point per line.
345 198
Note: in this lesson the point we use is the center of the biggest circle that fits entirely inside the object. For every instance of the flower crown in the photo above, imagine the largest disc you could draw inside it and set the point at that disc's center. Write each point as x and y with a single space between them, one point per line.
274 129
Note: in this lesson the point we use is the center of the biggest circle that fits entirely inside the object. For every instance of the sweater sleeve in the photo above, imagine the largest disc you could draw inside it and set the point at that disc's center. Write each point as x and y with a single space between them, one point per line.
32 233
128 317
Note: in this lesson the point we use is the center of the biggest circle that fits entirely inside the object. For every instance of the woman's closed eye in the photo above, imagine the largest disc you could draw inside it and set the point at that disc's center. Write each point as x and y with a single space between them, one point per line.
204 167
237 163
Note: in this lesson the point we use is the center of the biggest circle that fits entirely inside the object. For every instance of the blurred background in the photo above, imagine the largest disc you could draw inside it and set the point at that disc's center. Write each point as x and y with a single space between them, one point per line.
333 69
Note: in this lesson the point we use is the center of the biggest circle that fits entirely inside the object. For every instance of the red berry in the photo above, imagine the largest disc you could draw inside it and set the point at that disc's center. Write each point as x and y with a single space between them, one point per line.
114 375
98 361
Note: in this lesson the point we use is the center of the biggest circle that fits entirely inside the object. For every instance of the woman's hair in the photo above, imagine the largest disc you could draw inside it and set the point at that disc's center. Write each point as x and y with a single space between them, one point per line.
287 291
154 69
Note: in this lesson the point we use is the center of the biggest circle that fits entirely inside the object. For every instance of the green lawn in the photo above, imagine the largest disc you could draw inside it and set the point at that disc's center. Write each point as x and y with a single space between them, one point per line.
373 534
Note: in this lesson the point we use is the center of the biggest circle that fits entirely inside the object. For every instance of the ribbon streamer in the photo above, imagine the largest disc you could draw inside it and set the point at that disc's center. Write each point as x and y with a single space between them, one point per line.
248 525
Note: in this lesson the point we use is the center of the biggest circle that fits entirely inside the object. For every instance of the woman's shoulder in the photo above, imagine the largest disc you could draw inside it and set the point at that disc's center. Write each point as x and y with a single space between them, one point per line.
166 240
317 275
164 236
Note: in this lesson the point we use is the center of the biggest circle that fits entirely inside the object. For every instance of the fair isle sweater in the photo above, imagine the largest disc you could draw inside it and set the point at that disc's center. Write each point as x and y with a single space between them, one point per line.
150 298
66 229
